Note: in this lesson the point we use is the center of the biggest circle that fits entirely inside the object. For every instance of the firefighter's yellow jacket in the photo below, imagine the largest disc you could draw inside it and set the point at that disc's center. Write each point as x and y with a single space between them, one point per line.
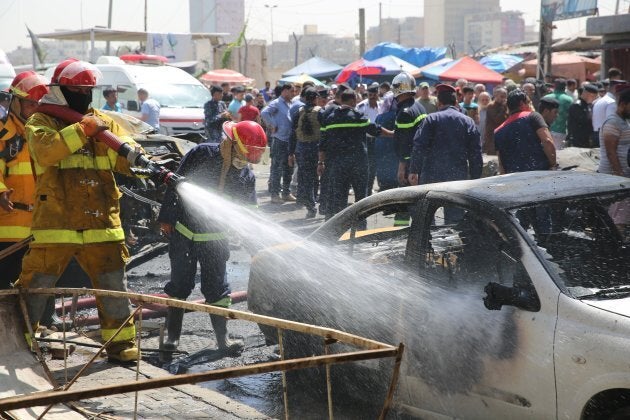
76 197
16 172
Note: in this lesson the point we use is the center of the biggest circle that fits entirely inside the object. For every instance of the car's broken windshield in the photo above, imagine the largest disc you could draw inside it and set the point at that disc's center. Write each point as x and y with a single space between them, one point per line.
583 242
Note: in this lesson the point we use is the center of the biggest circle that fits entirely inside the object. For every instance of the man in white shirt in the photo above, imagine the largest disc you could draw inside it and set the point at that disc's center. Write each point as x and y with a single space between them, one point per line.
370 108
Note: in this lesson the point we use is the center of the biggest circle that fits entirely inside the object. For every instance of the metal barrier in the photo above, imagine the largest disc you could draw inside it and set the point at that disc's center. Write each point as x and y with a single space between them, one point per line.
371 349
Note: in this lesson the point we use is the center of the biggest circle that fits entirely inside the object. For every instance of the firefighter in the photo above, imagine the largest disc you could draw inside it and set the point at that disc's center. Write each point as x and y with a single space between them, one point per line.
343 152
17 183
223 168
76 211
409 115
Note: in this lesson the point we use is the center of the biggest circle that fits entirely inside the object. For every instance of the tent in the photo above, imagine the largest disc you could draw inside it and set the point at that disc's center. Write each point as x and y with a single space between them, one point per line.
570 66
393 65
225 75
317 67
300 79
361 67
463 68
418 73
416 56
500 62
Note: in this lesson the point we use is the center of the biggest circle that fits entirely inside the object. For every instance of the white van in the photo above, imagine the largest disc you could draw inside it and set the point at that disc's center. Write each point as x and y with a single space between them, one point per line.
7 72
180 95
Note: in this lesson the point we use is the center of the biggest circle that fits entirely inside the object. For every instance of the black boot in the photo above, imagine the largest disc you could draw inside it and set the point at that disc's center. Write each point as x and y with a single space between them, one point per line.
174 318
50 319
225 345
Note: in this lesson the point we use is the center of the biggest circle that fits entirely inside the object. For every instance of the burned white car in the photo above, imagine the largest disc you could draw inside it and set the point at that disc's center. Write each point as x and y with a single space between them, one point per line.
510 293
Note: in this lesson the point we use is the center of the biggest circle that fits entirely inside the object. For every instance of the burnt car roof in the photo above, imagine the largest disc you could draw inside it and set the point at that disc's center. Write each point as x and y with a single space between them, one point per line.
519 189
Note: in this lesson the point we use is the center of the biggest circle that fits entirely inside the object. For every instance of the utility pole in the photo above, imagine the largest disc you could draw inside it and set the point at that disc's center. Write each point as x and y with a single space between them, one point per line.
109 24
297 43
271 7
145 15
361 32
544 46
380 22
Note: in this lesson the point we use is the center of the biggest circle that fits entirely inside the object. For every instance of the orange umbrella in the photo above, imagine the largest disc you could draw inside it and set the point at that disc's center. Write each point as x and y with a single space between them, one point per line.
225 75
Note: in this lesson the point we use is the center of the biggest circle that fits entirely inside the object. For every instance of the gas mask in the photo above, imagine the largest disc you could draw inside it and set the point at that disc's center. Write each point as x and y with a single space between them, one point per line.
77 101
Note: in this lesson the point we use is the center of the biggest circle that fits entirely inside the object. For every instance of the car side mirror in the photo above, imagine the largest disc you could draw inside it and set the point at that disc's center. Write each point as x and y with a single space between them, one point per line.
132 105
498 295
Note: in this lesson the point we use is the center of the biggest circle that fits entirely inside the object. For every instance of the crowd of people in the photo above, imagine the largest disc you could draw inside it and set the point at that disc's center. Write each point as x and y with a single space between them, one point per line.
343 139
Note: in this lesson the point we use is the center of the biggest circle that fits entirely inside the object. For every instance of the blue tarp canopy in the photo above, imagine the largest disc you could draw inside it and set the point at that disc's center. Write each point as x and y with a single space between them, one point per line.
317 67
417 56
500 62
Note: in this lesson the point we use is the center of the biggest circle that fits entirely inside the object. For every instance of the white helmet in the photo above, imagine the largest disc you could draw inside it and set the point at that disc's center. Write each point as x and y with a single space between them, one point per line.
403 83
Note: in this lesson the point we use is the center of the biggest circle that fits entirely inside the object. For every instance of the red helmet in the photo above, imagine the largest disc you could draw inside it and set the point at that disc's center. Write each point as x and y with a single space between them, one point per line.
59 69
79 73
29 85
250 138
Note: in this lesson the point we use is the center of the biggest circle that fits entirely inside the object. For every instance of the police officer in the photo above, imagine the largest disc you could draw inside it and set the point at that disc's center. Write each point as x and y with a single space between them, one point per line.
305 147
343 151
223 168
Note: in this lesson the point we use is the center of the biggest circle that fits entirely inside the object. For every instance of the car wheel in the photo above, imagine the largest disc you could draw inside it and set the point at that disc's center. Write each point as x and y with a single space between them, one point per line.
620 414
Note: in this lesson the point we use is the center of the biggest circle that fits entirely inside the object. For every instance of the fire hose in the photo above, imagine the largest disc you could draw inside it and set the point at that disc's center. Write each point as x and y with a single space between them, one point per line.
142 165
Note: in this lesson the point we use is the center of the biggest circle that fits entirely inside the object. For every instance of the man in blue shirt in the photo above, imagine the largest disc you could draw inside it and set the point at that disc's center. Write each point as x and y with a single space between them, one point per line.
276 117
237 101
111 100
149 108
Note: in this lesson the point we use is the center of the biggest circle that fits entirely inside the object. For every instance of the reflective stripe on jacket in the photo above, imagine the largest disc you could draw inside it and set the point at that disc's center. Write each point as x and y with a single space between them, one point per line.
16 173
199 237
76 197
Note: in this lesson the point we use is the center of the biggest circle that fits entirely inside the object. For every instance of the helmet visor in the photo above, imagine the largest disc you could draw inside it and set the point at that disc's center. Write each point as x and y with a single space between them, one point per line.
254 153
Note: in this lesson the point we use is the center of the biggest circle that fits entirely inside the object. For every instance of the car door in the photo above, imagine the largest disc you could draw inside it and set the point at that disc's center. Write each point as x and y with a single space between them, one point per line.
462 359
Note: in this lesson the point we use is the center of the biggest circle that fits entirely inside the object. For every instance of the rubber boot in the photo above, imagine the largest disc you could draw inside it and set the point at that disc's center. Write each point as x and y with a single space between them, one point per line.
123 352
174 318
224 344
50 318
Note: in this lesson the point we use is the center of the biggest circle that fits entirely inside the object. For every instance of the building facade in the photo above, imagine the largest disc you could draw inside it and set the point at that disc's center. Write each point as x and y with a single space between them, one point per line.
217 16
444 23
408 31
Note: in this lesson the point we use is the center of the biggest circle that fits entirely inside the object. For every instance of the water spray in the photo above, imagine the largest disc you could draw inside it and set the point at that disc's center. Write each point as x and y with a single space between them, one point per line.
143 165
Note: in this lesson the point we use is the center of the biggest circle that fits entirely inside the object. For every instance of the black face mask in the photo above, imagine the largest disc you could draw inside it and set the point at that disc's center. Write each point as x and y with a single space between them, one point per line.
77 101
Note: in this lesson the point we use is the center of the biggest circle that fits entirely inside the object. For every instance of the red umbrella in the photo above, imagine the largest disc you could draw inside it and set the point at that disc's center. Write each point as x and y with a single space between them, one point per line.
360 67
225 75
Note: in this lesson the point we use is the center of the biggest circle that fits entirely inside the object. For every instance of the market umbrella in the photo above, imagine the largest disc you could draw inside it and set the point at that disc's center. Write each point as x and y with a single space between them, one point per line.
500 62
317 67
361 67
300 79
463 68
225 75
567 65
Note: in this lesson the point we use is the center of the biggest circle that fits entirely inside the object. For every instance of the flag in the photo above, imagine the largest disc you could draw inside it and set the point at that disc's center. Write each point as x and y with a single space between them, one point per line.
38 47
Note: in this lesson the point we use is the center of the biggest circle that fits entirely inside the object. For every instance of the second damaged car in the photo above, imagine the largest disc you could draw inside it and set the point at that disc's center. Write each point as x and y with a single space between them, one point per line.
511 295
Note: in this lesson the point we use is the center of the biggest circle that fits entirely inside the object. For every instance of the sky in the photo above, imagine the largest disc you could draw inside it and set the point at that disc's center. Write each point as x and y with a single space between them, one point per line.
331 16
